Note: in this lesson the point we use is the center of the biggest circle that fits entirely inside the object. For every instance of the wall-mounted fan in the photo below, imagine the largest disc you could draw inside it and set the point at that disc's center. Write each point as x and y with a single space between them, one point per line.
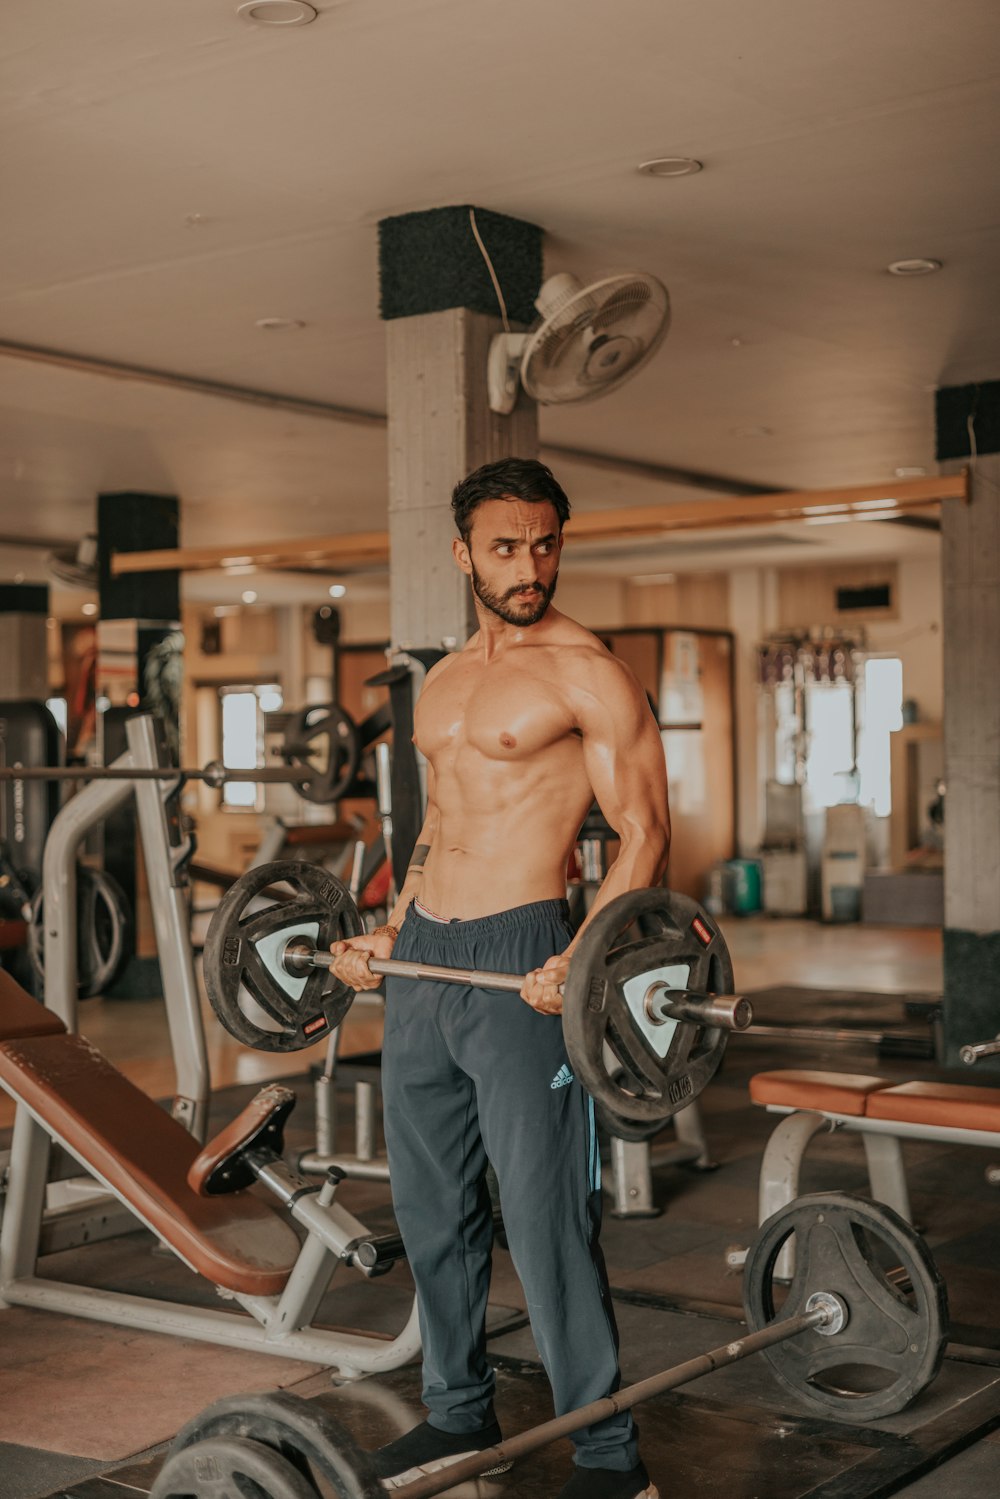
589 340
75 567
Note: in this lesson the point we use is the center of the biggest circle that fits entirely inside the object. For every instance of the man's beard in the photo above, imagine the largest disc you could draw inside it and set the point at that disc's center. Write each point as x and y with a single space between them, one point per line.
528 612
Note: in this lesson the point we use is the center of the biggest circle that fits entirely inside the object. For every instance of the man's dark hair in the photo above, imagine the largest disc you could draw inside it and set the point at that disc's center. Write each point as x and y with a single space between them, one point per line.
510 478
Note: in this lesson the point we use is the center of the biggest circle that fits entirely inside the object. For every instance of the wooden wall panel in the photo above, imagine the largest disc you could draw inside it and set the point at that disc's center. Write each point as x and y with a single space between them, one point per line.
807 596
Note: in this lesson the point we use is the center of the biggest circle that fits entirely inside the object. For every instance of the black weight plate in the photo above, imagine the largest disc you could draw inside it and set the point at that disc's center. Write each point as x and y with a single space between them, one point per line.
242 963
103 924
637 1072
897 1311
325 742
230 1467
297 1429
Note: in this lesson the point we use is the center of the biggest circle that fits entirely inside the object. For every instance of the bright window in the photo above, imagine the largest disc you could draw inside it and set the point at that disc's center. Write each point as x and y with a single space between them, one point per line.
883 714
830 756
243 710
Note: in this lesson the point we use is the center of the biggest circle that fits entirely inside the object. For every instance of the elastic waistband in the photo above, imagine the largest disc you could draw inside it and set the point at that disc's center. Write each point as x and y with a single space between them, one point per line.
534 914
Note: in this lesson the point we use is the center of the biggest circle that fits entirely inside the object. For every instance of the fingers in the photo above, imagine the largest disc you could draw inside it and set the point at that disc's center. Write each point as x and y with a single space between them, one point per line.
541 991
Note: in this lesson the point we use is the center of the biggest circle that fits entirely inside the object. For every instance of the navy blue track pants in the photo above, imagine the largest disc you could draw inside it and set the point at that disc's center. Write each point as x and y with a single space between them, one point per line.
473 1076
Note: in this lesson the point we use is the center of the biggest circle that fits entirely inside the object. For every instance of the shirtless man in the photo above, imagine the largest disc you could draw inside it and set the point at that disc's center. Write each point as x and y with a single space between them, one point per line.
522 729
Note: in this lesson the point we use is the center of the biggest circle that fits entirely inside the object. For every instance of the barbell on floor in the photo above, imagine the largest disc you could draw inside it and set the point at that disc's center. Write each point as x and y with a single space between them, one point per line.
647 1006
866 1295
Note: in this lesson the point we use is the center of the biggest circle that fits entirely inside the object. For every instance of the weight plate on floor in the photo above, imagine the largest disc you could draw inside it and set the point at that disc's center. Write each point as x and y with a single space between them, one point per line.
894 1338
325 742
636 1069
256 1000
299 1431
103 925
230 1467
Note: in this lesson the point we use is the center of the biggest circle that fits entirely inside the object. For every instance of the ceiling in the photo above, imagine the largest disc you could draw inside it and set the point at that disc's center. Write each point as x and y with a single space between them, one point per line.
171 174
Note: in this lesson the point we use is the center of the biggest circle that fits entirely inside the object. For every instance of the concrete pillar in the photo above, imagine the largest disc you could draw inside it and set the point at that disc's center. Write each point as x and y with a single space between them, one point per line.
441 311
970 561
24 667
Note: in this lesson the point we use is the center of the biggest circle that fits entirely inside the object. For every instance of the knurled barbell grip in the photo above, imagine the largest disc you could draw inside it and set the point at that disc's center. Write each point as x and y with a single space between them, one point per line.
730 1012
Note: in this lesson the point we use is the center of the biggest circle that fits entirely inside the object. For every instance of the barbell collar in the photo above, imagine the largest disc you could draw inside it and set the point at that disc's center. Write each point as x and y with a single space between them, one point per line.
970 1054
601 1410
731 1012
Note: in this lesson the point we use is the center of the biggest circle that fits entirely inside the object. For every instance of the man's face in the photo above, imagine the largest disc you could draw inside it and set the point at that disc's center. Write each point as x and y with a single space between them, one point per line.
512 557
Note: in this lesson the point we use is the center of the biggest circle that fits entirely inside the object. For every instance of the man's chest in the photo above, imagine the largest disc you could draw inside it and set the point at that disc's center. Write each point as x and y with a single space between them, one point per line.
502 713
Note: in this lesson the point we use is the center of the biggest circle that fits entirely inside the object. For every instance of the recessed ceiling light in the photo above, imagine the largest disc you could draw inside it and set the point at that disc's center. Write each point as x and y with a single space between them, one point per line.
915 267
248 596
277 12
670 166
337 590
753 432
278 324
909 471
88 609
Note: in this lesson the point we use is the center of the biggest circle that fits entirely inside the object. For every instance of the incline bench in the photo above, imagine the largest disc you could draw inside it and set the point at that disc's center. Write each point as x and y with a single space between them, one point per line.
194 1201
882 1112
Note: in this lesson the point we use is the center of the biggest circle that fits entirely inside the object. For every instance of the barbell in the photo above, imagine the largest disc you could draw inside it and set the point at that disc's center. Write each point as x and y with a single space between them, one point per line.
322 750
866 1303
648 1003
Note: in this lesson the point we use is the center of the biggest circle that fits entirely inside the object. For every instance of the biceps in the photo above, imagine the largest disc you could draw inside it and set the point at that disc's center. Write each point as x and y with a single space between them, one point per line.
628 775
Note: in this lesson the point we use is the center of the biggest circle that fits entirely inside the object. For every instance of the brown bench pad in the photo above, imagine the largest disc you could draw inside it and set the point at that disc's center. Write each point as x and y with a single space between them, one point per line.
823 1092
20 1015
949 1105
239 1242
937 1105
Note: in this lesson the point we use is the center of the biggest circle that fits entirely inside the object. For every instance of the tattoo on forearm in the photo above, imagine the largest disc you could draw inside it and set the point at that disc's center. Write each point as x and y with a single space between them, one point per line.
419 859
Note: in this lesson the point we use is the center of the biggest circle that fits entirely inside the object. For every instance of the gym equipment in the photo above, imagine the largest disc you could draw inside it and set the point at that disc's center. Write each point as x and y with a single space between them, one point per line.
244 955
214 774
240 1241
660 1005
842 1313
868 1257
103 922
971 1054
324 742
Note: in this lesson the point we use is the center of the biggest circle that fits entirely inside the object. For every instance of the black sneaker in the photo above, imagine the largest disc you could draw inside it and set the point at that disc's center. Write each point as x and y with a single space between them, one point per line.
607 1483
426 1449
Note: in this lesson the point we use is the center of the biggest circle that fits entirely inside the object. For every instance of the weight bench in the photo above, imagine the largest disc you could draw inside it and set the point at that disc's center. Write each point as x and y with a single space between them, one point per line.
882 1112
194 1201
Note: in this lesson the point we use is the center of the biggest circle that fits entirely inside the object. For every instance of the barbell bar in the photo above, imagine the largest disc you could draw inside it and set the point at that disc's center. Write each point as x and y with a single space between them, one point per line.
648 1002
660 1002
827 1316
214 774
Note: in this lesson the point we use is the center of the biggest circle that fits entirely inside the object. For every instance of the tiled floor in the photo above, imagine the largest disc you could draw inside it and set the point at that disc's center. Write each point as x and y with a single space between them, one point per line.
732 1435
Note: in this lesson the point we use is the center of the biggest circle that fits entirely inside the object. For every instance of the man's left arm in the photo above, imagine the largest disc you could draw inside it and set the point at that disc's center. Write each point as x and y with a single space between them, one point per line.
623 755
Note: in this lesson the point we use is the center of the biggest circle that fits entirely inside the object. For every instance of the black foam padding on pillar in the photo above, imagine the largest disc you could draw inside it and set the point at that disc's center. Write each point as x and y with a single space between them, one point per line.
971 991
24 598
131 522
430 261
954 404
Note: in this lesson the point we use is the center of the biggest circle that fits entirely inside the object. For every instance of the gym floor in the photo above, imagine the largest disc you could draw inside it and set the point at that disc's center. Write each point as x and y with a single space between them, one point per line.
87 1410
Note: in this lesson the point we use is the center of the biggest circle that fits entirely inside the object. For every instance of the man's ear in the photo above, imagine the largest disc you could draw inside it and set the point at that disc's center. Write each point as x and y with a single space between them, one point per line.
460 552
